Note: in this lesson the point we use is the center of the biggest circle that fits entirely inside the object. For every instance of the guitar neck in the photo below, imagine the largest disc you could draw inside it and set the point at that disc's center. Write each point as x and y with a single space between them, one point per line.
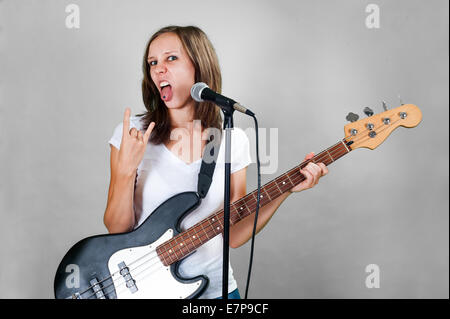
186 242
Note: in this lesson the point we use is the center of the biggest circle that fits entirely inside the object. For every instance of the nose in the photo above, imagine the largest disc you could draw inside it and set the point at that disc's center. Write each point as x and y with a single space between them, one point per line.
160 68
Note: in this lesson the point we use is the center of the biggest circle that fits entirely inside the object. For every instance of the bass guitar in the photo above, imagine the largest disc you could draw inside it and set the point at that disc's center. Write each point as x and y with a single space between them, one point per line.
144 263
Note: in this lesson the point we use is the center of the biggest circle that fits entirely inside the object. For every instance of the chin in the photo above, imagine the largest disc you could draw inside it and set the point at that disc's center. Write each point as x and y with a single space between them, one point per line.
172 105
175 104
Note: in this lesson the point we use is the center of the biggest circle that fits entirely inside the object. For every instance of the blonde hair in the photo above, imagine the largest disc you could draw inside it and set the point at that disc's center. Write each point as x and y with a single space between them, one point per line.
207 70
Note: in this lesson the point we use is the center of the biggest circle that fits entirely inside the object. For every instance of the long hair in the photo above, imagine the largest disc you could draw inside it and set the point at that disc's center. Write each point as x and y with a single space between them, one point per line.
207 70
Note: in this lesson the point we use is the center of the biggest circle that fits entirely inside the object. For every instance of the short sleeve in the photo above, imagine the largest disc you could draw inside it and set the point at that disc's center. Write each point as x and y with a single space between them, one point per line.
116 138
240 156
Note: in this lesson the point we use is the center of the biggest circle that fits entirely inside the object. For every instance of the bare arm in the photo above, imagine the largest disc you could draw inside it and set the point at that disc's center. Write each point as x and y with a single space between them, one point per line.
119 214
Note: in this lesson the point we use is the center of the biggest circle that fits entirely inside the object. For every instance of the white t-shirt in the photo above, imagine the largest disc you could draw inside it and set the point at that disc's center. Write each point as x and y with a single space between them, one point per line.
161 174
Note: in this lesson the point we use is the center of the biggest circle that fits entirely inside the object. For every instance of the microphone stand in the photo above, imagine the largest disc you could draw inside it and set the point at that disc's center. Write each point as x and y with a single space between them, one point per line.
228 126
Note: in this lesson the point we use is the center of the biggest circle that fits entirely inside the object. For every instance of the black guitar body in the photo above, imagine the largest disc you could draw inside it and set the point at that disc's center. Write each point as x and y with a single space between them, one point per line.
86 263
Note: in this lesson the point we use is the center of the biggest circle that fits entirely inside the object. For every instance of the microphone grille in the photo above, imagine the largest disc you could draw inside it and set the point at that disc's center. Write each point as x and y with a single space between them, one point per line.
196 91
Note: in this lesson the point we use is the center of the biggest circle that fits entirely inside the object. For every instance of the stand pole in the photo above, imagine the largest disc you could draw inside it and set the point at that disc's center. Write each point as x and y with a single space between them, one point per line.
228 126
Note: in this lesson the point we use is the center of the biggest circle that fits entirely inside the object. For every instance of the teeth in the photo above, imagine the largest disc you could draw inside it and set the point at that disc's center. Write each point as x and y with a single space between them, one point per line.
165 83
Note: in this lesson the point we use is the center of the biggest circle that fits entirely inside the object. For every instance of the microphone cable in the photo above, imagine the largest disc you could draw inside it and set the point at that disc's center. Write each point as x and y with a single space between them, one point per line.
257 208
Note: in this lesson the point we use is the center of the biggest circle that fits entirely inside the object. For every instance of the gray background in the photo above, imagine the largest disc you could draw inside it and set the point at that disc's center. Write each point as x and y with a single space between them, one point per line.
301 66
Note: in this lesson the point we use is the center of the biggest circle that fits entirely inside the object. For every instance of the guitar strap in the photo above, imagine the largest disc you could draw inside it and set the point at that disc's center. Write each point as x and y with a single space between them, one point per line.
207 169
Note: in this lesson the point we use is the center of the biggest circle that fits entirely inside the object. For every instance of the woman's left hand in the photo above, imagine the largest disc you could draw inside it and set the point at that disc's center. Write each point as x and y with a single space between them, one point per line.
312 172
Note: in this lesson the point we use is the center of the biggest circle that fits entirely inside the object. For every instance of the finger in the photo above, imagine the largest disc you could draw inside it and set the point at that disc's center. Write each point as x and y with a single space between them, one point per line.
324 169
315 171
318 173
309 156
133 132
149 131
308 176
126 122
139 136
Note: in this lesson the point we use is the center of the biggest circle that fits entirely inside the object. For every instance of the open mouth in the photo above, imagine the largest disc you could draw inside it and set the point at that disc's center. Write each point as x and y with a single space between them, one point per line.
166 91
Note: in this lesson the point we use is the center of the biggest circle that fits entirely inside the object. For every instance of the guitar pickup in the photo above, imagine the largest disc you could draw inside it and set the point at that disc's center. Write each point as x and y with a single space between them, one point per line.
130 282
98 290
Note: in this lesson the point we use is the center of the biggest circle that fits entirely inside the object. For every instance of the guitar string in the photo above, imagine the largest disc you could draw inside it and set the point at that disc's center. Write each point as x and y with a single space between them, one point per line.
317 158
296 180
157 263
334 152
322 154
271 188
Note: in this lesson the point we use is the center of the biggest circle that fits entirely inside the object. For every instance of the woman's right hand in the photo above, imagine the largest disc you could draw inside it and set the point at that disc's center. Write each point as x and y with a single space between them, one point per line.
132 147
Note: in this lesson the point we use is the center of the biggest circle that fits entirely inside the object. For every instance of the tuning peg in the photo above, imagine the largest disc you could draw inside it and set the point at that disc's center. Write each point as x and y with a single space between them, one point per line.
368 111
352 117
399 97
384 106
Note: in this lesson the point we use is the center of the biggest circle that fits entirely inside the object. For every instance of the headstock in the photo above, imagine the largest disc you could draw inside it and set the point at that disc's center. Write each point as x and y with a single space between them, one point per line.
373 130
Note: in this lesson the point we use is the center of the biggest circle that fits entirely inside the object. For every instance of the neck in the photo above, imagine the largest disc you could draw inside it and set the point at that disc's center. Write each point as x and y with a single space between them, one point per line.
182 117
186 242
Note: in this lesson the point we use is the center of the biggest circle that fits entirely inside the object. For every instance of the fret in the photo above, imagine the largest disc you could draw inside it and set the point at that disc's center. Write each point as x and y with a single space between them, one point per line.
197 236
290 180
173 248
235 218
194 238
219 220
332 160
201 226
254 195
272 190
339 151
174 239
281 192
237 212
275 190
219 228
164 261
212 227
182 245
190 238
247 211
241 209
232 214
263 197
264 189
168 254
283 184
345 146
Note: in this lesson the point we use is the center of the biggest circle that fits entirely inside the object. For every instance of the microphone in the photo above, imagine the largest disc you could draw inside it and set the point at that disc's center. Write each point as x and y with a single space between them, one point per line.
200 92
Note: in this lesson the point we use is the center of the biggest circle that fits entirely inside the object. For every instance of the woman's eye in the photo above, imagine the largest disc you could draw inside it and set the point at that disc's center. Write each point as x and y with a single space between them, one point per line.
151 63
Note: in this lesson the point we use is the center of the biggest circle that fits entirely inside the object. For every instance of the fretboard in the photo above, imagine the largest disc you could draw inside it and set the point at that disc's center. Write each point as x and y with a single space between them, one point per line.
188 241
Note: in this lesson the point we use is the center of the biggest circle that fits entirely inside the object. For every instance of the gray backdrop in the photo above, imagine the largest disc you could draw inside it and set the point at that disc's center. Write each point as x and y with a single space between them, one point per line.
301 66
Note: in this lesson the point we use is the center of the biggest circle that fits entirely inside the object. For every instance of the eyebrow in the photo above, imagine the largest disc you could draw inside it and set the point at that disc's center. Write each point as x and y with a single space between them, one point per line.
164 53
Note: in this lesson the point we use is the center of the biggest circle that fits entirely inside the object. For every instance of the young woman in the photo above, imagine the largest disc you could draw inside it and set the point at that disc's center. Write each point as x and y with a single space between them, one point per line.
150 163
